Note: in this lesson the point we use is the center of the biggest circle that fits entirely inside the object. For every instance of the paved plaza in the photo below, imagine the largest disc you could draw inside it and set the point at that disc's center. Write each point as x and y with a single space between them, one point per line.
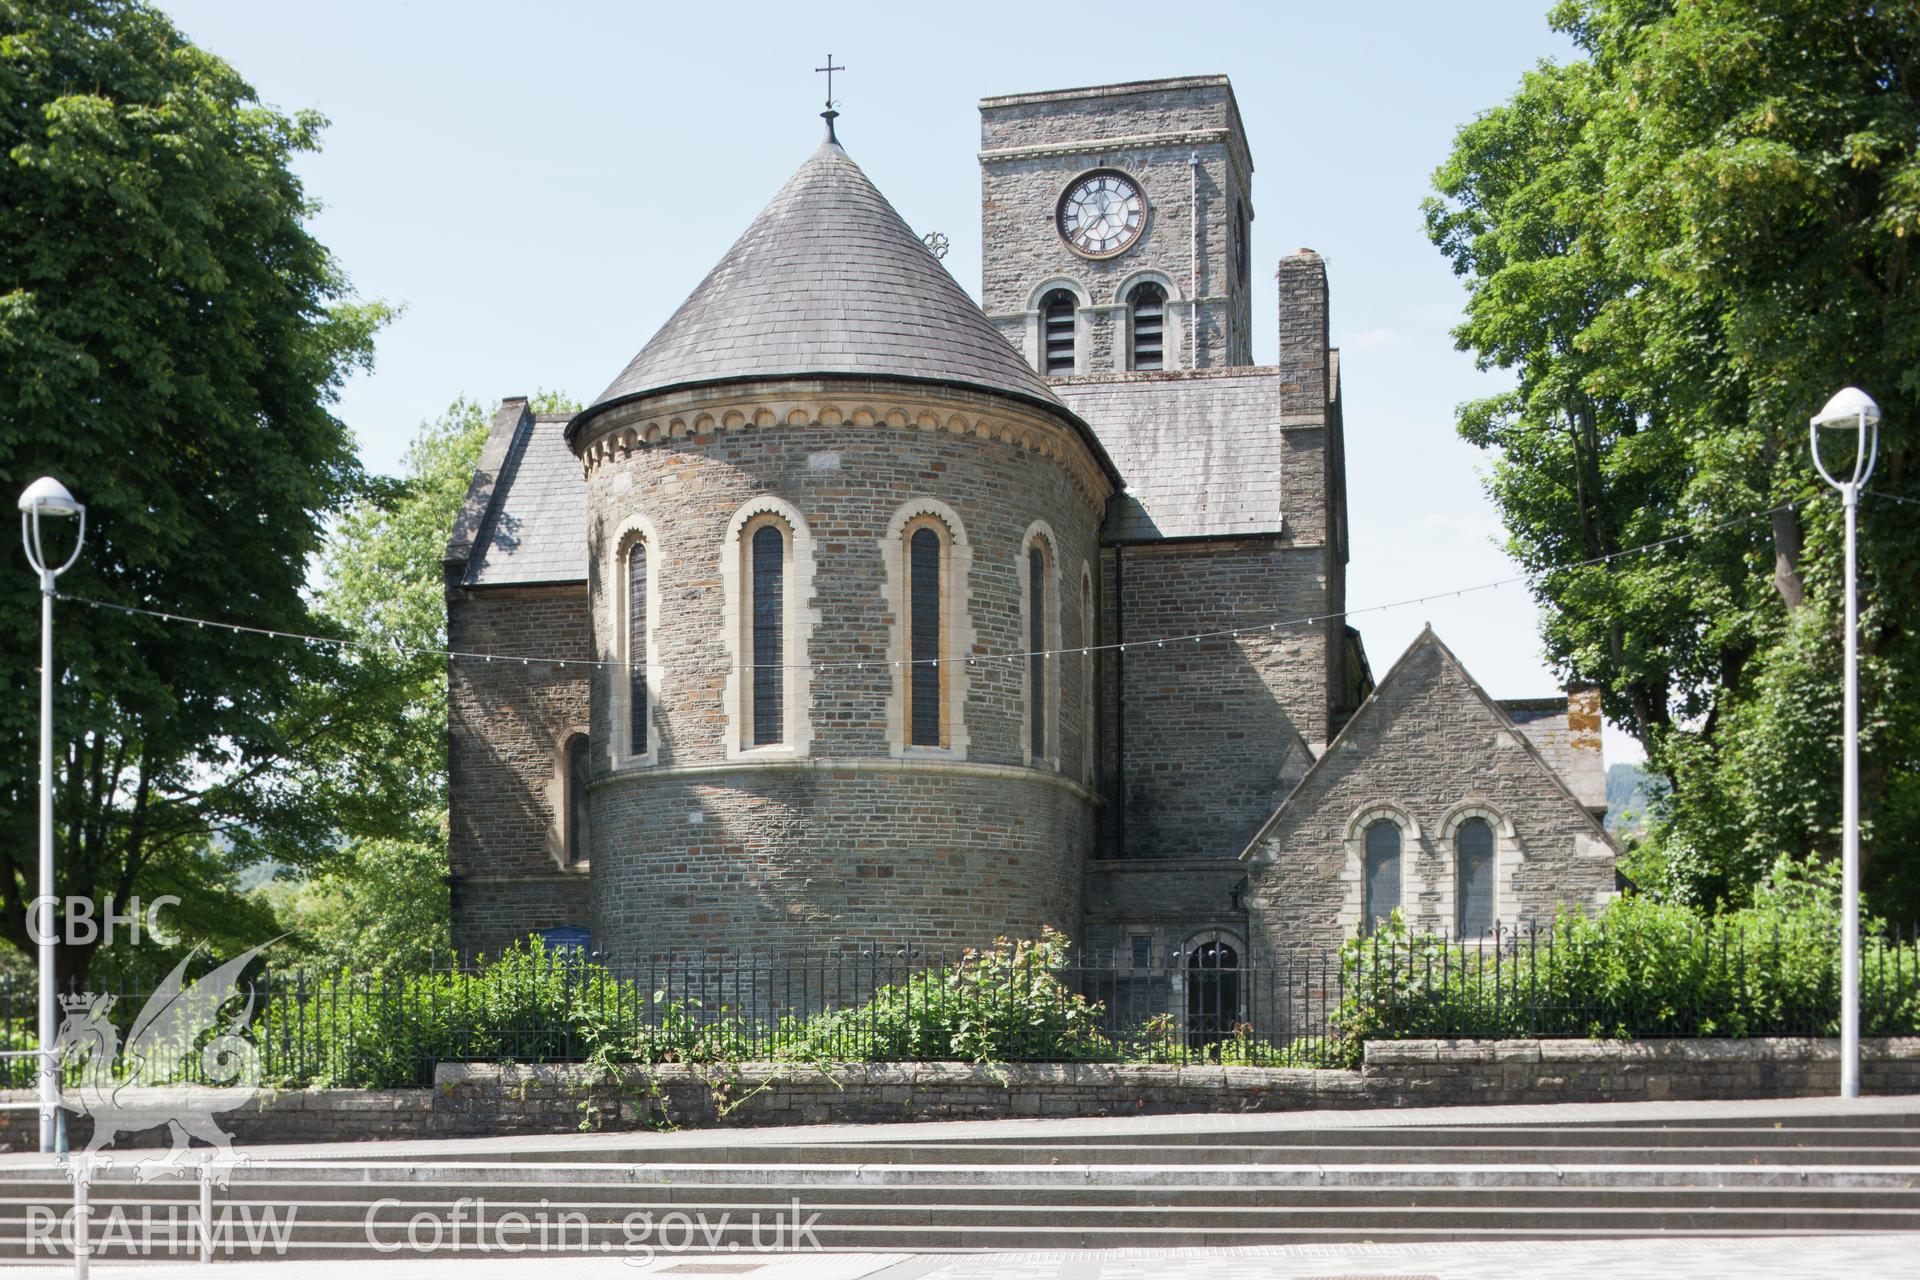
1664 1259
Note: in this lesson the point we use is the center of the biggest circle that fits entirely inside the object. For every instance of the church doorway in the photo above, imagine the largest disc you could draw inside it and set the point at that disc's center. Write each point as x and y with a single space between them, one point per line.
1213 993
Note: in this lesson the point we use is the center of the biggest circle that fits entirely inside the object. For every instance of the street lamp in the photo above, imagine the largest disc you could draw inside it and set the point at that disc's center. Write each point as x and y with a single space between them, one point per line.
47 497
1850 410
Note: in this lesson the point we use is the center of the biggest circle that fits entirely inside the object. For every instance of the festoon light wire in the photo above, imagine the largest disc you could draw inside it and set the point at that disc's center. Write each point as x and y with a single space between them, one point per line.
1161 642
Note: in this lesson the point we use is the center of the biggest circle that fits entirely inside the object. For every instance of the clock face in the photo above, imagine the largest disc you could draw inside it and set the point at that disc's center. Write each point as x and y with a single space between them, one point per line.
1102 213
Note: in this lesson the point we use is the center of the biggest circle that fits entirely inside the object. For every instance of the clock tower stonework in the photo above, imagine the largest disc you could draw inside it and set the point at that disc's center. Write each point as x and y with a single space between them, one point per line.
1180 144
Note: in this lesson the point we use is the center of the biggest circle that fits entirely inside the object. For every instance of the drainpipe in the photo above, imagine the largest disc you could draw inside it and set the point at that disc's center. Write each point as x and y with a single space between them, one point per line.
1193 272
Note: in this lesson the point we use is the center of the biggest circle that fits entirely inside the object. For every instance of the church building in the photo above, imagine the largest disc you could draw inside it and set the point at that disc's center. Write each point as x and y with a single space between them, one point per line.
866 613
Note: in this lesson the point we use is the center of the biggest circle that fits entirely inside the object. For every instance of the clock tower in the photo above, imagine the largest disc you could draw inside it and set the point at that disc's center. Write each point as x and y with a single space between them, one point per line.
1115 226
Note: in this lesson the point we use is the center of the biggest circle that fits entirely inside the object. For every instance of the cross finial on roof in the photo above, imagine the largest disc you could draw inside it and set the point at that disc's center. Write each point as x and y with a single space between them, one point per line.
829 114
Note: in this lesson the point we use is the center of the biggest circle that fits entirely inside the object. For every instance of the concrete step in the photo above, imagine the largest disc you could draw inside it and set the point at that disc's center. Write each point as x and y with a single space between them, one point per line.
693 1239
393 1220
296 1180
1406 1192
1433 1151
1617 1135
1141 1186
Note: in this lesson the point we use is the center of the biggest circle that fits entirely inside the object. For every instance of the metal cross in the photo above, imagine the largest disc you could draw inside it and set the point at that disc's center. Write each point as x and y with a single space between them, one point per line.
829 69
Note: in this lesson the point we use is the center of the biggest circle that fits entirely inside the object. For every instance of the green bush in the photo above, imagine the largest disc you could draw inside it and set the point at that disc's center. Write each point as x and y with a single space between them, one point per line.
1003 1004
529 1005
1638 968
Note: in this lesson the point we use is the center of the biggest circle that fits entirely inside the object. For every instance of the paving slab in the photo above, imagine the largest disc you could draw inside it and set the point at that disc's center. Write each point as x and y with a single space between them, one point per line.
1679 1258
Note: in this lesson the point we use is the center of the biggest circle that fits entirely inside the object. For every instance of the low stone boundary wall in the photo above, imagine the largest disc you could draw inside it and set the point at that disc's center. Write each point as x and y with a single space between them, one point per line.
485 1098
249 1117
476 1099
1417 1073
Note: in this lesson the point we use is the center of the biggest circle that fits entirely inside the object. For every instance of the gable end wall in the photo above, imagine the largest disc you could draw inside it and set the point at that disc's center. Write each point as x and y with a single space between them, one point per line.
1427 745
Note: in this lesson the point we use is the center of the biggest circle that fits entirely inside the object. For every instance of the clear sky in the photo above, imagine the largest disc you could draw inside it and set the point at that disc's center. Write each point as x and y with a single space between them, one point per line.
539 185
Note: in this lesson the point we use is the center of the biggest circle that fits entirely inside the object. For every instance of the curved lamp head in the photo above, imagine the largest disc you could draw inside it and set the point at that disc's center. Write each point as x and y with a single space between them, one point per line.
48 497
1851 409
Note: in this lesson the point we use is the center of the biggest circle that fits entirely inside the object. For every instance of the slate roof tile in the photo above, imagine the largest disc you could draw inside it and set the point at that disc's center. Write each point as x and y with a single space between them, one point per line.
828 279
536 529
1200 453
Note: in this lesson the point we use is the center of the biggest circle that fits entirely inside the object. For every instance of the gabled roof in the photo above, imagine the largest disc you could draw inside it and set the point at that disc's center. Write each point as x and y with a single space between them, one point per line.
828 281
1371 708
525 517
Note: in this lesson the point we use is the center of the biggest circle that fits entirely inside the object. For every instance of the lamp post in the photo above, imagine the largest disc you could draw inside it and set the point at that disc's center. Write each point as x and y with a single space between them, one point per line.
1850 410
47 497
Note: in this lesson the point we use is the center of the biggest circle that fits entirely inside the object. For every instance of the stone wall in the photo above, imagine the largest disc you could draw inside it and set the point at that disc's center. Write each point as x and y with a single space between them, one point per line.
1407 1073
271 1115
1214 731
1426 752
794 859
480 1099
507 724
1174 903
1449 1072
846 833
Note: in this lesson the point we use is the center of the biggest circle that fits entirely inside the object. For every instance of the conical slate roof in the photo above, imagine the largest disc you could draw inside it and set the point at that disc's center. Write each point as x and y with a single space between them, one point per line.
828 280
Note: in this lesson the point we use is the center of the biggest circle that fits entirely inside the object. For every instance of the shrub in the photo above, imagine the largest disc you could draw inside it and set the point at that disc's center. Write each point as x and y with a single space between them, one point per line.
1003 1004
1638 968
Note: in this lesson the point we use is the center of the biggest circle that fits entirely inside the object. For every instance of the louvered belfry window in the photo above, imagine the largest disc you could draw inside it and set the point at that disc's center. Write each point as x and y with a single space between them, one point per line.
1473 850
769 641
923 554
637 649
1057 324
1148 304
1383 872
1036 644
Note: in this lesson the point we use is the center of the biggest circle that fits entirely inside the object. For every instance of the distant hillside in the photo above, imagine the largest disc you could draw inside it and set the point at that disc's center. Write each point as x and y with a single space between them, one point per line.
1631 791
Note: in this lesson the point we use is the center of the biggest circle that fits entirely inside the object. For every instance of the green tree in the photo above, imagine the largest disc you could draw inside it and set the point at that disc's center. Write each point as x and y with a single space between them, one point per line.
172 340
1681 244
383 902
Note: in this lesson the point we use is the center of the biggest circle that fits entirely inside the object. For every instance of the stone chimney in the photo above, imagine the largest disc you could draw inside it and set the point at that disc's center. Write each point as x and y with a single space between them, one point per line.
1303 333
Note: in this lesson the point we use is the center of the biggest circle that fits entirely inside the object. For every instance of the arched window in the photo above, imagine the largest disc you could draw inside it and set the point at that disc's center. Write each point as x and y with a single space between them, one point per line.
1474 862
1382 873
1036 651
928 565
1147 306
577 764
636 647
925 551
767 619
768 551
1057 320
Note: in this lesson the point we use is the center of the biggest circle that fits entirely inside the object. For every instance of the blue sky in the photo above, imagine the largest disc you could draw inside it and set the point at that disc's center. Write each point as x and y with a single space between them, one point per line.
540 185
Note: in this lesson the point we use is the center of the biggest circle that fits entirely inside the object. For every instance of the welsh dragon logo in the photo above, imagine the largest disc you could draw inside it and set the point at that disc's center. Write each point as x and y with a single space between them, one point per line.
179 1026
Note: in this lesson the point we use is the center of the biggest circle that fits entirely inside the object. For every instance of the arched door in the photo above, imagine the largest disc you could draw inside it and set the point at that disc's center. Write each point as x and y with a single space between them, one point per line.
1213 992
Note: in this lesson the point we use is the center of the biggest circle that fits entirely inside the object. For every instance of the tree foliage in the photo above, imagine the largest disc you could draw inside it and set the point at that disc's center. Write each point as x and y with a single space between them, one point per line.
1681 245
172 339
382 904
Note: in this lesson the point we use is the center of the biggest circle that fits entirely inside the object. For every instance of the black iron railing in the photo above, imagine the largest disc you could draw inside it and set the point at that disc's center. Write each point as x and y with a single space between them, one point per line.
1017 1002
